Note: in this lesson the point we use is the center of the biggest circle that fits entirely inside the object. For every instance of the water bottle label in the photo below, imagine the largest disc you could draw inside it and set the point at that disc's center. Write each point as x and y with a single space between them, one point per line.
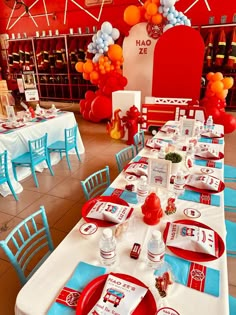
156 257
142 192
107 254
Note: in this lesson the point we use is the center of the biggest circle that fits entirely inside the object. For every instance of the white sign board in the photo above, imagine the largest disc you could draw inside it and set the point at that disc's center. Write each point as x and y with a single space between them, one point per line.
138 50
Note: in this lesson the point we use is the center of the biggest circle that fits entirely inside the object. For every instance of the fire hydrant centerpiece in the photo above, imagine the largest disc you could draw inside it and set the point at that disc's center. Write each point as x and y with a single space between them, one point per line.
131 120
152 210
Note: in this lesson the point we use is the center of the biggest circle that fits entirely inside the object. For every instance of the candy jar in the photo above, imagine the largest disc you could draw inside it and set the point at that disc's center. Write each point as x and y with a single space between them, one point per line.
152 210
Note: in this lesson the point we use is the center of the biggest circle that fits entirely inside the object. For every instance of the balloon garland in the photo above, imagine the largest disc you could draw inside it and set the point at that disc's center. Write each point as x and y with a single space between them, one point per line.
103 70
156 12
214 100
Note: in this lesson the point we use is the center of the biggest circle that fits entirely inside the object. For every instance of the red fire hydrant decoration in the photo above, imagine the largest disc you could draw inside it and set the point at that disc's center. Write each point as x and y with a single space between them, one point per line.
131 120
152 210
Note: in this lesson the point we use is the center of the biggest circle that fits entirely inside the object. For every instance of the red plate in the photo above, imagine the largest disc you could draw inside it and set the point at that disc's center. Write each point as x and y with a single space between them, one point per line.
190 255
207 191
8 127
89 204
215 137
92 292
221 155
133 173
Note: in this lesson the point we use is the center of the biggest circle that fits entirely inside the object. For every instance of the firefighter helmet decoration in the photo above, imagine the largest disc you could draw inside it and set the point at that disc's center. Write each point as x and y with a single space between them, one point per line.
103 70
214 100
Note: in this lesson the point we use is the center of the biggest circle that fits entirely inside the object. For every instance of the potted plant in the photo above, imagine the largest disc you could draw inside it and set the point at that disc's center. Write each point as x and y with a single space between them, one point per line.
175 158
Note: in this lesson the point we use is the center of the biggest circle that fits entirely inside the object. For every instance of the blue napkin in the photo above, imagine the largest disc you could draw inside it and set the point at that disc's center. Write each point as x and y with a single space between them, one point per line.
229 173
208 163
209 140
229 199
194 275
129 196
140 159
198 197
82 275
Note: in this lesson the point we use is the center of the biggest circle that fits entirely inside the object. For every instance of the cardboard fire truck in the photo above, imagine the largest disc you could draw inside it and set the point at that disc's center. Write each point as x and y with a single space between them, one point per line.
157 111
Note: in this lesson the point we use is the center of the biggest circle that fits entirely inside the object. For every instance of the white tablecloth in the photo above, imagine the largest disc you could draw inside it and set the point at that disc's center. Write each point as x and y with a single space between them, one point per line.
40 291
16 143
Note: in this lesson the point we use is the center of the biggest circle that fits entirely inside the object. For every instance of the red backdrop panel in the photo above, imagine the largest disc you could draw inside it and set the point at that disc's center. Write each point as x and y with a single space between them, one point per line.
178 63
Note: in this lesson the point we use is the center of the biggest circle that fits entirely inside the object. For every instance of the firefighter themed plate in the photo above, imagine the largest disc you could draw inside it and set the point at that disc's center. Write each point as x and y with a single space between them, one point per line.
90 203
12 125
138 169
92 293
192 255
204 183
219 157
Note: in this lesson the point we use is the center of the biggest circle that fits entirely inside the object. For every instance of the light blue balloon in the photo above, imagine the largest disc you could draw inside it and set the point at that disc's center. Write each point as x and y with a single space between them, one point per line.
188 22
170 16
173 21
105 36
106 28
99 40
181 14
176 13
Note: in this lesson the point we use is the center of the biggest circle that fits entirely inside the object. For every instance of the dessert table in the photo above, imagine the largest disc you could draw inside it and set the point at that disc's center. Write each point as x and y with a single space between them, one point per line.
15 141
40 292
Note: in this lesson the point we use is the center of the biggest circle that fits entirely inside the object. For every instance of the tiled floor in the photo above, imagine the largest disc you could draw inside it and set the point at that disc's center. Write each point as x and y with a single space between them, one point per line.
62 197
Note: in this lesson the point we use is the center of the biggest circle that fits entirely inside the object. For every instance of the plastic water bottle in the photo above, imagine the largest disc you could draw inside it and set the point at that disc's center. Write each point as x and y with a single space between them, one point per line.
179 183
142 189
162 153
209 123
156 250
107 246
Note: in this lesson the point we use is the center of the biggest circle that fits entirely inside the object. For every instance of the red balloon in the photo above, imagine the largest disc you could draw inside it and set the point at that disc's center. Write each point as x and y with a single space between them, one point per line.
82 106
93 118
215 113
229 122
89 95
86 115
87 105
101 107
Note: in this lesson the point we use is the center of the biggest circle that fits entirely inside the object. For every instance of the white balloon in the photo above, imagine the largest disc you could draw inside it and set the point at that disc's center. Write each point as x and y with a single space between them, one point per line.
101 51
165 14
160 9
115 34
94 37
110 41
169 3
99 33
106 28
105 49
165 9
166 27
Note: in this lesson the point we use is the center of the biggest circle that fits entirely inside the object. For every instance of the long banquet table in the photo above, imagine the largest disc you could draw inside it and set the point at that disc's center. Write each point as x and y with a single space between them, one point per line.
15 141
40 292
